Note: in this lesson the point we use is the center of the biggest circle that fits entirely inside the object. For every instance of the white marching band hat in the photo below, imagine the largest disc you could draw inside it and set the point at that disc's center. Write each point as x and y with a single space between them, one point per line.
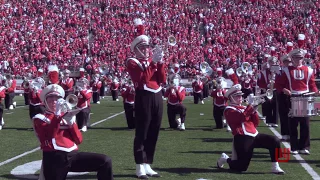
52 89
235 90
297 53
142 39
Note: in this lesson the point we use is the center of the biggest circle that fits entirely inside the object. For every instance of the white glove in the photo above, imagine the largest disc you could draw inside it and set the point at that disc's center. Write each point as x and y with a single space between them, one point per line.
35 88
70 120
59 106
250 99
157 54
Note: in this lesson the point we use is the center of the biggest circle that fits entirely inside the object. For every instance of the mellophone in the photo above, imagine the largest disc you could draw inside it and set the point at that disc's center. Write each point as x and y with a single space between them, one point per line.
303 105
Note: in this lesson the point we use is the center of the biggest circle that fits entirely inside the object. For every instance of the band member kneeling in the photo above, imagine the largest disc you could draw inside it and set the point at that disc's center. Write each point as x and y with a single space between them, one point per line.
59 138
176 95
243 122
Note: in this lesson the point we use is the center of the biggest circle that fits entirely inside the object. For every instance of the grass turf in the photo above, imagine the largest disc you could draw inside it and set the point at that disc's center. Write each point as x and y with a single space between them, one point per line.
187 155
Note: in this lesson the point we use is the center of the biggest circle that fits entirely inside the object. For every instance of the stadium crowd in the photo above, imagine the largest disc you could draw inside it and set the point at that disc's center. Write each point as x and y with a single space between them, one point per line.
93 33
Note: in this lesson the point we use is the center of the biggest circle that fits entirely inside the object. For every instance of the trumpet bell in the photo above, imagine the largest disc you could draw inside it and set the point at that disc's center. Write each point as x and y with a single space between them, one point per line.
239 71
71 100
246 67
172 40
206 69
103 70
269 94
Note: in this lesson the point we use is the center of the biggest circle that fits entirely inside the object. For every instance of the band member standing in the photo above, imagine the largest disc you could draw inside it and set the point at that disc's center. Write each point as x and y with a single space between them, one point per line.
147 75
246 86
11 86
35 105
243 122
128 94
269 108
176 94
219 103
283 99
59 138
197 86
84 97
2 96
103 87
67 82
26 90
114 89
96 85
294 82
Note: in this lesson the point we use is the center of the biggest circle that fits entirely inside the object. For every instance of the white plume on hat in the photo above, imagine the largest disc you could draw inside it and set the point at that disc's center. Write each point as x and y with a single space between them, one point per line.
272 48
81 69
289 44
52 68
301 37
137 21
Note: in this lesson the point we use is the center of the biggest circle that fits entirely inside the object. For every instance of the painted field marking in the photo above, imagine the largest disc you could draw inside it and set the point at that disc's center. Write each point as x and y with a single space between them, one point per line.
38 148
303 163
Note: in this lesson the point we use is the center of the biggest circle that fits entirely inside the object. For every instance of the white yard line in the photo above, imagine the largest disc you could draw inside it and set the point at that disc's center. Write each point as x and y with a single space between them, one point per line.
303 163
38 148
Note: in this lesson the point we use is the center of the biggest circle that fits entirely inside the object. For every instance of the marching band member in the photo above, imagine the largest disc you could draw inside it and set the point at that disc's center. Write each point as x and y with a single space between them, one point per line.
269 106
10 87
128 94
59 138
114 89
96 85
103 87
53 74
219 103
294 82
147 73
283 99
243 121
67 82
2 95
197 86
35 106
246 86
84 97
176 94
26 90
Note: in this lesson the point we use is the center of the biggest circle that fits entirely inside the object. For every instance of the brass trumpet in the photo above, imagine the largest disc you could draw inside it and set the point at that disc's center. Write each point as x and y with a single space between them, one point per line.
70 102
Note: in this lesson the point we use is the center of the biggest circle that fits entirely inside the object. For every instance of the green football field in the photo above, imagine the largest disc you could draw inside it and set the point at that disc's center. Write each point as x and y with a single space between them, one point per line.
180 155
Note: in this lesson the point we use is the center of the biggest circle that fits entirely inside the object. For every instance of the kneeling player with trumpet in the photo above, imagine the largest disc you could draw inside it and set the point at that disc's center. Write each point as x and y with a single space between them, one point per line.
243 121
176 94
59 137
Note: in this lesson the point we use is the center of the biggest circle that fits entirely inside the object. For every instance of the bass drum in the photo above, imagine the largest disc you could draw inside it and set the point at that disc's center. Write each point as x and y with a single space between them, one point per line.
302 106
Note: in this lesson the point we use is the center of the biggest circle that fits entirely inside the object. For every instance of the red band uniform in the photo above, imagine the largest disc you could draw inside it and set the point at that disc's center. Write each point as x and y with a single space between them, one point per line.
147 75
114 88
8 101
128 95
67 83
298 79
197 86
243 121
96 85
59 139
26 91
84 98
2 96
219 104
269 107
176 95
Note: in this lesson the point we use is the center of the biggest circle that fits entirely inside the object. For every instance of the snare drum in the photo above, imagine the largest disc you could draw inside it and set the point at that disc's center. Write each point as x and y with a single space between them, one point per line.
302 106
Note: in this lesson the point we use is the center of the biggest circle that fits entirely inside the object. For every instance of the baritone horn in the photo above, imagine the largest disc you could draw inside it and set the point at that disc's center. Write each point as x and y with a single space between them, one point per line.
172 40
103 70
206 69
72 100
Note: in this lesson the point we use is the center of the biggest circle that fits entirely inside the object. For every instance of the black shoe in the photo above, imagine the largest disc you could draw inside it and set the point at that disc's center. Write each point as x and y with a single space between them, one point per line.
143 177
